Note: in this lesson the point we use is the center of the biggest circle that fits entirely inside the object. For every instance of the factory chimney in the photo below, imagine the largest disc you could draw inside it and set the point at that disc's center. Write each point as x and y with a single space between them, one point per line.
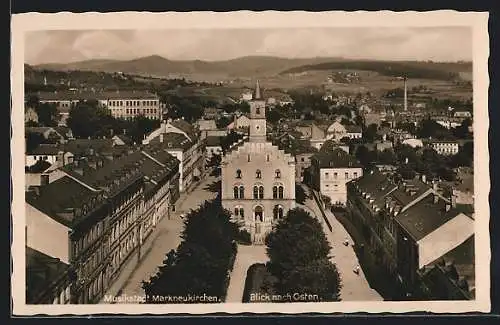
406 95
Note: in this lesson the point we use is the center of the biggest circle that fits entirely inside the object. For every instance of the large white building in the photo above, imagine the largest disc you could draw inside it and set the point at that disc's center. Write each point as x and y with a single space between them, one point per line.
445 148
122 104
258 179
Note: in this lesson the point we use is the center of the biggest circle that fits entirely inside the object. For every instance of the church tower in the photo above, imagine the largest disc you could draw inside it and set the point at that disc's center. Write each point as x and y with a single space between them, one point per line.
258 125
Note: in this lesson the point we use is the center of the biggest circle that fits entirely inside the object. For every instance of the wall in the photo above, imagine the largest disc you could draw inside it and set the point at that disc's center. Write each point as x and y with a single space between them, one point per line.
46 235
335 187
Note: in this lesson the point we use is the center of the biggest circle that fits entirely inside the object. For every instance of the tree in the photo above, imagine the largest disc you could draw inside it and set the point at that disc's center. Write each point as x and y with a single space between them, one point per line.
201 263
299 257
370 133
86 119
140 126
462 131
431 129
33 140
300 194
387 157
47 114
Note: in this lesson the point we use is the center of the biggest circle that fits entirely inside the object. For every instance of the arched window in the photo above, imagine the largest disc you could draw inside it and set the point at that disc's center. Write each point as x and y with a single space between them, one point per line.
242 192
239 212
280 192
275 192
258 174
277 212
261 192
235 190
238 173
259 214
255 192
278 173
242 213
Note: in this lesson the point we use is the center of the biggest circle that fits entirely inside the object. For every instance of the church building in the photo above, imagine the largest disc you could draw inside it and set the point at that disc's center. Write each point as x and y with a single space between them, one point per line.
258 179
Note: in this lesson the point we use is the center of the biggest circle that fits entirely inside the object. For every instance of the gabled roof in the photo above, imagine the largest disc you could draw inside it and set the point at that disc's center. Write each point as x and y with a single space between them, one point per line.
172 140
46 150
337 158
424 217
56 198
186 128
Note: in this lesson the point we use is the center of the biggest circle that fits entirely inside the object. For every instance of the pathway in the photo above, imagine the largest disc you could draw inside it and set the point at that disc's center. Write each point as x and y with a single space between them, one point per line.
246 256
354 287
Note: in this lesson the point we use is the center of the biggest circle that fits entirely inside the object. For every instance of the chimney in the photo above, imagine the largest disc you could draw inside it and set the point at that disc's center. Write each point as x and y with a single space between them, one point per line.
435 187
406 95
60 158
424 178
161 138
44 180
448 207
453 200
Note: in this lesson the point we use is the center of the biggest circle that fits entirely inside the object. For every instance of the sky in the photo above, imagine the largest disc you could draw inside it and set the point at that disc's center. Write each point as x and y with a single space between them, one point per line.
387 43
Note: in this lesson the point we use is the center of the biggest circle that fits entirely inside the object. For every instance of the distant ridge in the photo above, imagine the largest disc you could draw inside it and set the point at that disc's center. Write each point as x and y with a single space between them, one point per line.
249 66
259 66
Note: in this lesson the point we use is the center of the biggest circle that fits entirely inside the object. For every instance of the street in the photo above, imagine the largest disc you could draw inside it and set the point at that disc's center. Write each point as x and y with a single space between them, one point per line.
355 287
166 237
247 255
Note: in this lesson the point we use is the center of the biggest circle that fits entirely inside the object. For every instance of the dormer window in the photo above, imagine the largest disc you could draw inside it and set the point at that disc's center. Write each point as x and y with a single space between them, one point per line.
238 173
258 174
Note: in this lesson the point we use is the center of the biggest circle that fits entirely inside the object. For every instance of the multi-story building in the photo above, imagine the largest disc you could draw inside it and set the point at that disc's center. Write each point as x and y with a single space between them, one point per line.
94 222
407 226
330 171
258 179
445 148
183 141
122 104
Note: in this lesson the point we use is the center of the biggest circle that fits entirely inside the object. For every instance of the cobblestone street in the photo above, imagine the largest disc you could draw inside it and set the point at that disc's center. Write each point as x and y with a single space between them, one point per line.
354 287
166 237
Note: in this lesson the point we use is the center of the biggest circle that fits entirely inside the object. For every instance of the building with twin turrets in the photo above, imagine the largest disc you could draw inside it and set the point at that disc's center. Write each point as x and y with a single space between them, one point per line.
258 179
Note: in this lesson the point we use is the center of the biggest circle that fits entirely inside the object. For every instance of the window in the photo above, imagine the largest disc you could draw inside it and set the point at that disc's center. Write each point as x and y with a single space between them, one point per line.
238 173
242 213
277 212
302 159
267 157
278 173
275 192
242 192
255 192
335 175
355 175
259 214
261 192
236 211
326 175
257 111
336 187
346 175
249 157
280 192
235 192
258 174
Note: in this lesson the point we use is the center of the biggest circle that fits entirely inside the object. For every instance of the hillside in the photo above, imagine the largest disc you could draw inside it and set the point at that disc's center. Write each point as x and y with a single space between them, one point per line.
251 66
418 70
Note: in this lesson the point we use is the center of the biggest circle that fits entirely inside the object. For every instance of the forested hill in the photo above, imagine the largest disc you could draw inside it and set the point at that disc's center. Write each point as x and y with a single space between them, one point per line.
412 69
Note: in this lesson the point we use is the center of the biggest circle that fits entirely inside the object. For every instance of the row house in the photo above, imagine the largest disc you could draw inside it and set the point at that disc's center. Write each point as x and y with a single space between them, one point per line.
331 170
121 104
407 226
95 220
445 148
183 141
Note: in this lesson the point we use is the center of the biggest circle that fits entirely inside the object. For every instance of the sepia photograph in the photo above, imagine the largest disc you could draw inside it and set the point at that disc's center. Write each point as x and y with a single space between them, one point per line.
250 162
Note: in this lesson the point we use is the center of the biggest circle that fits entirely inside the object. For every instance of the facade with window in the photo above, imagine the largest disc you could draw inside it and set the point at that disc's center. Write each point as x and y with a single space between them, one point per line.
96 221
331 170
258 179
121 104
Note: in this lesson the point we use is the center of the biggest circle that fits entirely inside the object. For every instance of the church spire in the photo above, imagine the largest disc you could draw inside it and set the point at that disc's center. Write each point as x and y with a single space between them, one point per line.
257 90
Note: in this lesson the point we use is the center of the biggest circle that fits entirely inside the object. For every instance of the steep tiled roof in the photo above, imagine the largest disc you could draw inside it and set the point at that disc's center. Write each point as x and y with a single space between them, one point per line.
173 141
82 146
409 191
42 271
337 158
56 198
185 127
213 141
46 149
424 217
